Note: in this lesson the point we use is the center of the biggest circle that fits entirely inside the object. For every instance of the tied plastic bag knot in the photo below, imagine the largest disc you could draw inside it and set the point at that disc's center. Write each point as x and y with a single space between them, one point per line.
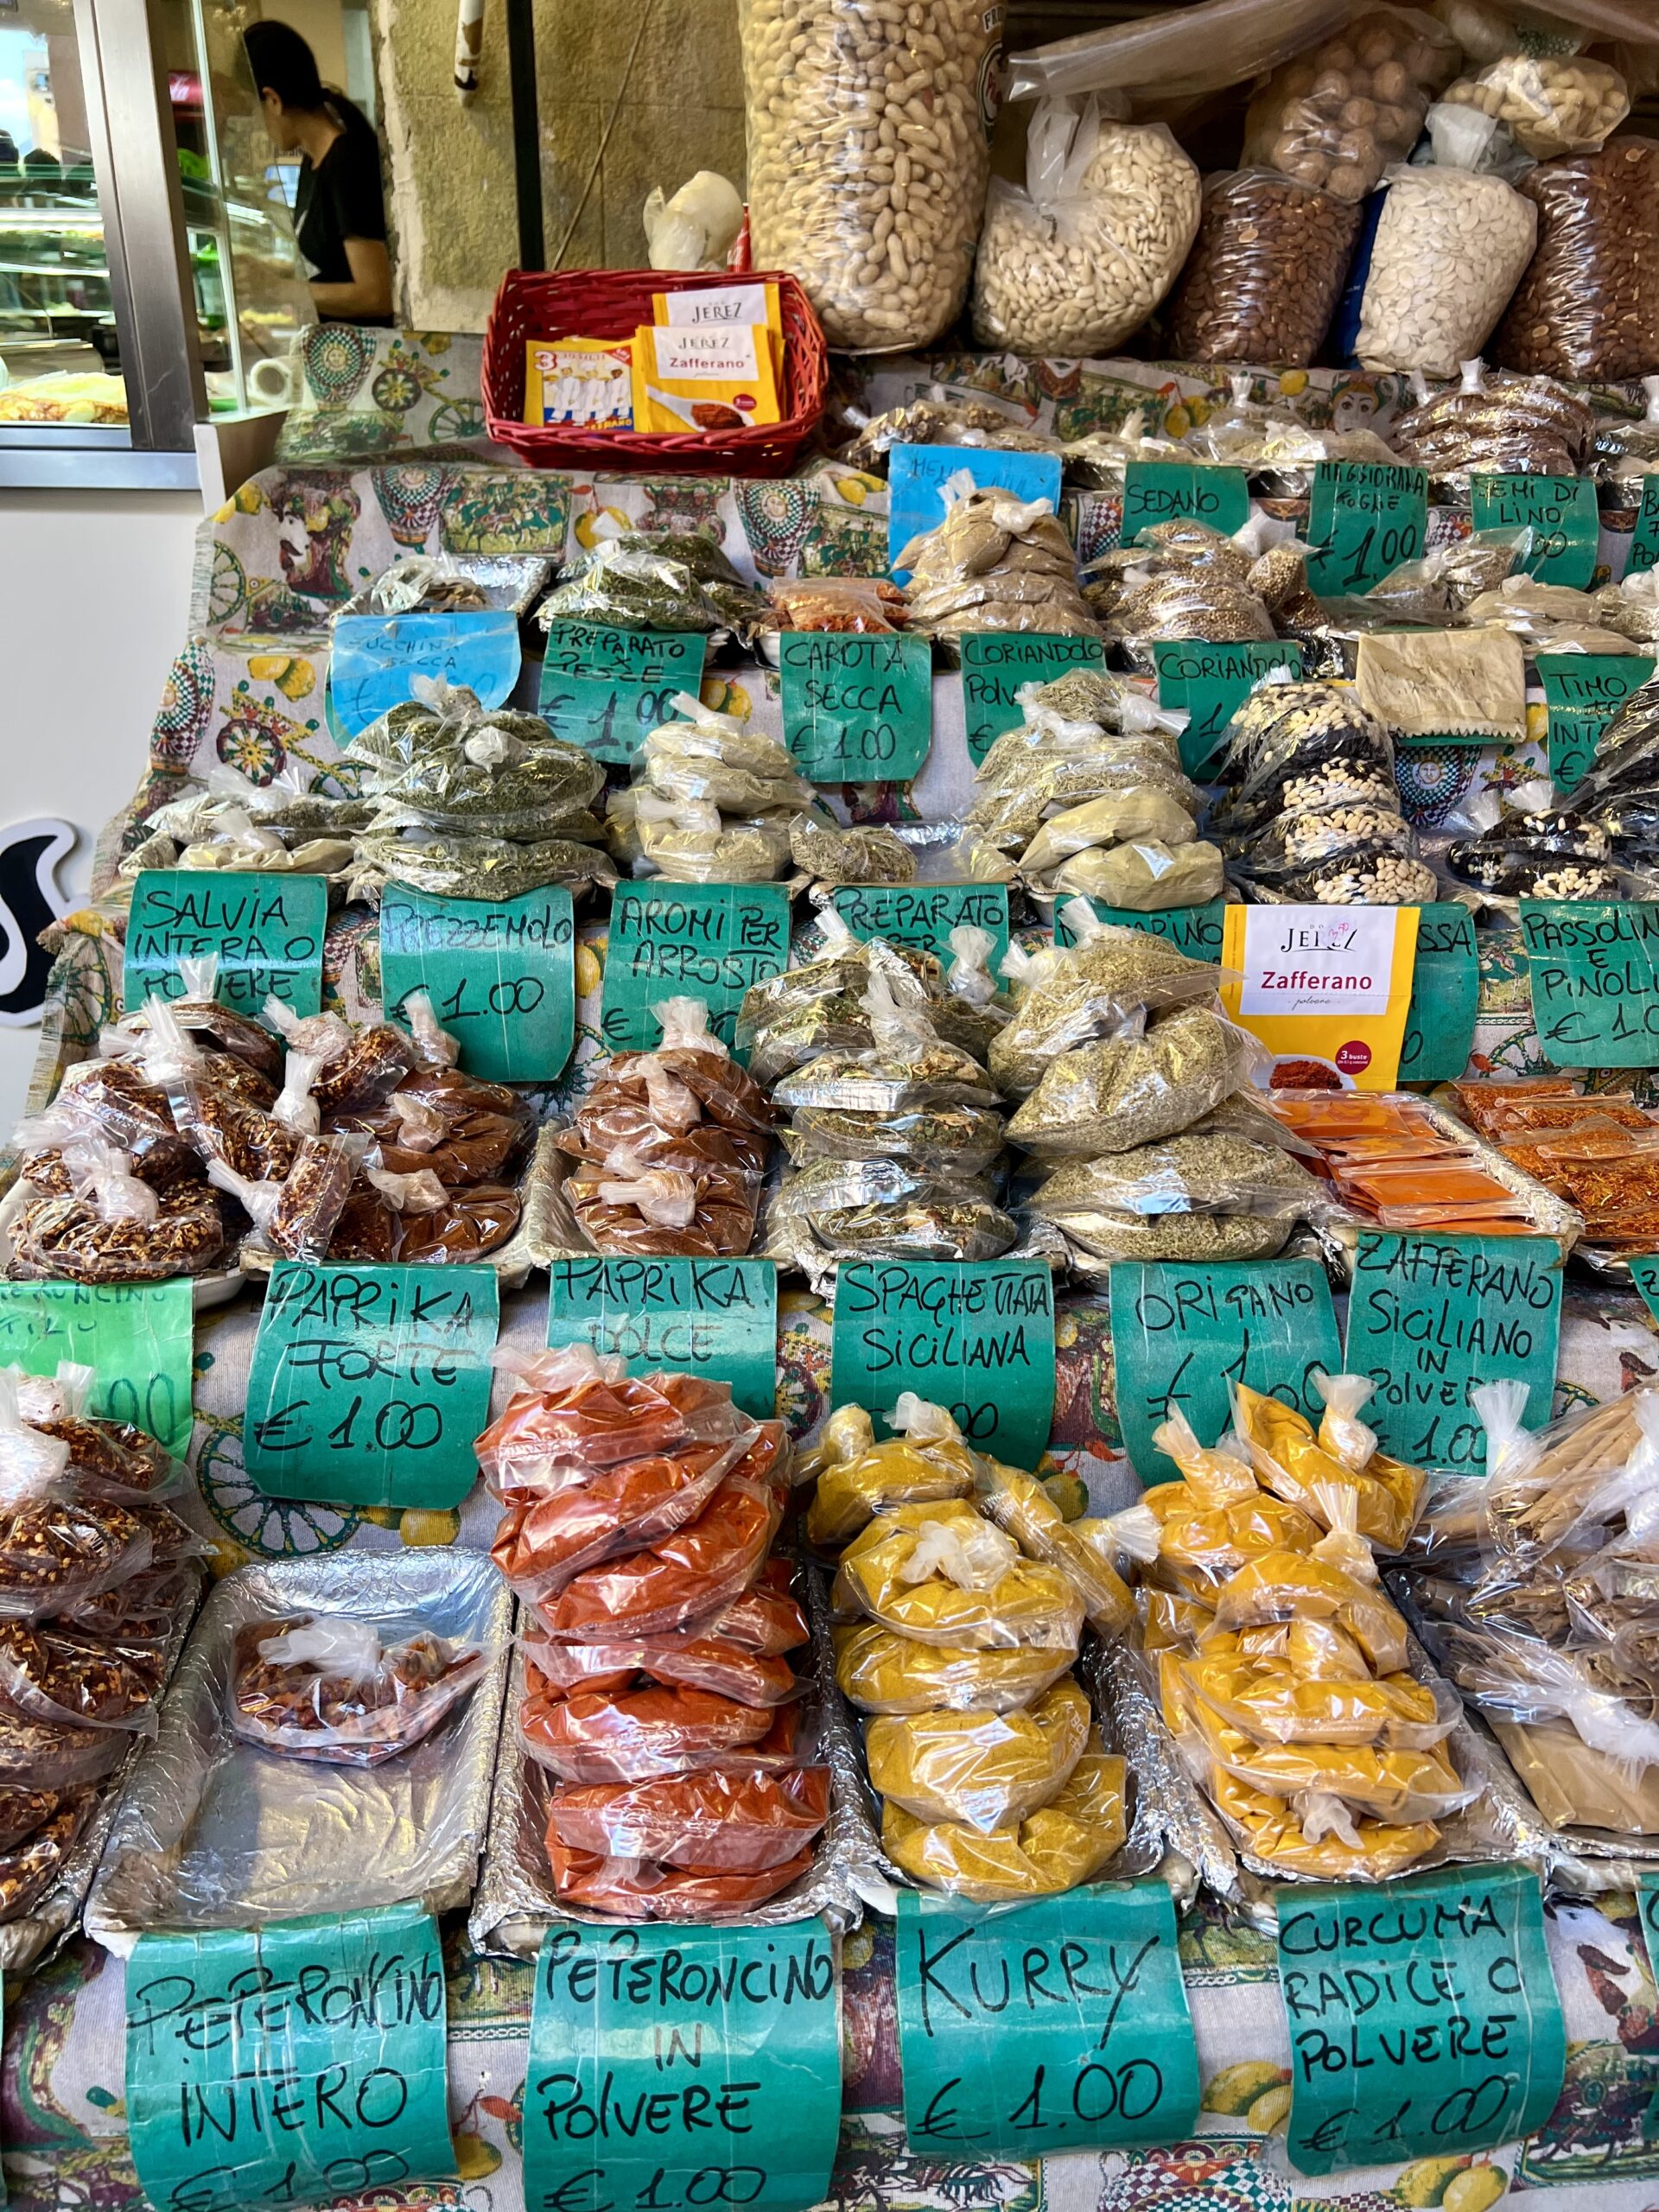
922 1422
667 1197
199 973
449 701
166 1052
1512 1450
1319 1815
1342 1432
296 1107
105 1180
1133 1535
692 709
1342 1546
420 1193
260 1201
493 748
848 1434
351 1648
29 1463
420 1126
436 1047
900 1029
974 1559
968 976
684 1025
326 1037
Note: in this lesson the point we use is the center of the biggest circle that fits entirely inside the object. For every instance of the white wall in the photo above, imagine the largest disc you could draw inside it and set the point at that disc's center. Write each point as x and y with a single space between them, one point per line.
94 603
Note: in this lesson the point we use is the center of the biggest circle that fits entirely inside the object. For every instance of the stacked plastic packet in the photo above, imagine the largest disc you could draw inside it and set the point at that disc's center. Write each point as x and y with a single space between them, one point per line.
1127 1076
957 1641
95 1579
671 1146
996 562
657 580
1182 580
1597 1150
471 803
1538 1591
892 1145
1495 424
659 1696
712 801
1090 793
1283 1667
231 821
328 1687
1310 814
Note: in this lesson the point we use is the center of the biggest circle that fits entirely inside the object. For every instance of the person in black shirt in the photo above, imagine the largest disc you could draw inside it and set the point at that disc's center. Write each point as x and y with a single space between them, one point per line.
339 215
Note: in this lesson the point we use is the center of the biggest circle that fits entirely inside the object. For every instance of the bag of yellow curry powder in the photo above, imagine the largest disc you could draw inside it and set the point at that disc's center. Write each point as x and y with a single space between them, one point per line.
1069 1840
944 1575
986 1769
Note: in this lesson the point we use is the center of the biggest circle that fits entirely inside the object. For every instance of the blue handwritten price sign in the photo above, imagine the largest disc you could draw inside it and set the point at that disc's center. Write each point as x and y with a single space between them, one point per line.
1424 2018
717 1317
924 914
369 1384
1429 1317
1182 1330
1593 968
1583 691
1196 931
376 657
1562 513
1644 543
502 974
1183 491
1056 2026
1211 682
916 476
683 2067
996 663
1364 520
266 929
299 2063
607 689
707 941
976 1337
138 1336
1445 997
856 711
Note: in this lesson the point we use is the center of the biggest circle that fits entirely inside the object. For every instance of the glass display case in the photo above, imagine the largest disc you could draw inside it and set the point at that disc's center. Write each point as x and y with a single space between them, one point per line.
148 262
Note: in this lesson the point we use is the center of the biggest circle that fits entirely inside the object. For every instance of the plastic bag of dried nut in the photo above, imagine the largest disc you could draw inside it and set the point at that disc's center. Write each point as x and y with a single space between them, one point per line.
1337 116
1549 104
1495 424
1265 273
327 1688
1588 306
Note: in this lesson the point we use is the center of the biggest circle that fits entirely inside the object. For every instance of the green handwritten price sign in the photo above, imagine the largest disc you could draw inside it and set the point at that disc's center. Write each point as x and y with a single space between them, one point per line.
1364 520
1583 690
707 941
996 663
369 1384
138 1336
717 1317
1562 513
1644 1273
1212 682
1196 931
1429 1317
683 2067
266 929
924 914
1644 544
1445 997
857 710
299 2063
1592 967
1181 1331
1183 491
1056 2026
607 690
975 1337
502 975
1424 2019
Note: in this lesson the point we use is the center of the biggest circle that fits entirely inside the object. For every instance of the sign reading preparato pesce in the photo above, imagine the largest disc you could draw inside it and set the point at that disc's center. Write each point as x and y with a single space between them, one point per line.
683 2067
717 1317
1430 1316
856 709
1183 491
1592 967
607 689
1060 2026
373 659
707 941
996 663
975 1337
1365 519
1181 1331
924 914
1212 682
267 930
1424 2018
300 2063
138 1336
1445 997
1583 692
1562 513
369 1384
501 972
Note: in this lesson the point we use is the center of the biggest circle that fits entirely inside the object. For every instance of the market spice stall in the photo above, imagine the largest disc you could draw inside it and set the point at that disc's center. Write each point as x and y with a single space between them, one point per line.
830 1307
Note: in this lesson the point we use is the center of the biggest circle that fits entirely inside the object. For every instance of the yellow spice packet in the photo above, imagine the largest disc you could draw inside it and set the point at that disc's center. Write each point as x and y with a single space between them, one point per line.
586 383
706 306
708 378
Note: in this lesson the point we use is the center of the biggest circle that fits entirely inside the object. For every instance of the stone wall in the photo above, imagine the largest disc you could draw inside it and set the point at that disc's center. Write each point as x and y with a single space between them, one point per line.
634 93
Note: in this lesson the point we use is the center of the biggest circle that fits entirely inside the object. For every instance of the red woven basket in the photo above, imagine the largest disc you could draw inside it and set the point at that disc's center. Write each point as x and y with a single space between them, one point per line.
612 303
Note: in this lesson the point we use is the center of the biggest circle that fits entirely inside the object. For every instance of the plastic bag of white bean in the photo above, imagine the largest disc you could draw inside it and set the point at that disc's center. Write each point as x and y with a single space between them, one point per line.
868 153
1452 244
1079 260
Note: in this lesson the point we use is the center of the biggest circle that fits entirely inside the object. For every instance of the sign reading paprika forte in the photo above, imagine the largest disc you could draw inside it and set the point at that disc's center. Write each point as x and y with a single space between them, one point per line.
856 711
1327 984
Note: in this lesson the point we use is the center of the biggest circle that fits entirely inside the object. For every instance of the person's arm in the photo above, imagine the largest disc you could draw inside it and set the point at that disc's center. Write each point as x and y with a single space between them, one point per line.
370 289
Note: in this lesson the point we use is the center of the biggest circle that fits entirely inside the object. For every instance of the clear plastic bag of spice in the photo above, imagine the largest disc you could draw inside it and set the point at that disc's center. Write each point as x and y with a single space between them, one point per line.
1145 1081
